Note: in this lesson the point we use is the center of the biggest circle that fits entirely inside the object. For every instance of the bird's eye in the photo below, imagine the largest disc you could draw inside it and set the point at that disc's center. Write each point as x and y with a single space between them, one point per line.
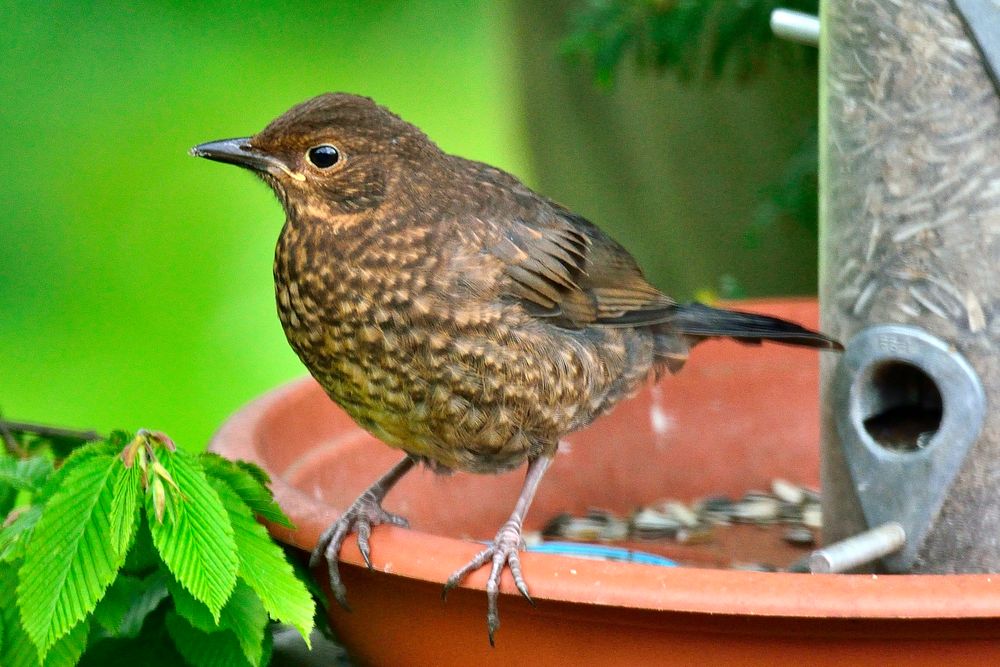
324 156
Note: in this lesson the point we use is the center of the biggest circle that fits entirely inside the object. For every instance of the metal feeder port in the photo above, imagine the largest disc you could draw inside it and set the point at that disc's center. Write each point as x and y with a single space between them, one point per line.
908 407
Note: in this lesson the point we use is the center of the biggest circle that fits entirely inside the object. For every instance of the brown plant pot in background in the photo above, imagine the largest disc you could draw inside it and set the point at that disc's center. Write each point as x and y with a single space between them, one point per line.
735 418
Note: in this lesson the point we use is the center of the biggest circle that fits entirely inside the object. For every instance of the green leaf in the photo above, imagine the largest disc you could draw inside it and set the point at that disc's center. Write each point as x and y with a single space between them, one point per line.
14 537
79 456
64 653
69 562
129 601
8 498
152 648
25 474
243 615
196 541
125 506
193 610
142 559
258 473
67 651
247 485
203 649
264 568
18 649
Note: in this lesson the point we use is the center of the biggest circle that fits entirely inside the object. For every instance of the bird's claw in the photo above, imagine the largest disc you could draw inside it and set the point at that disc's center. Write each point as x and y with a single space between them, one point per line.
360 517
505 550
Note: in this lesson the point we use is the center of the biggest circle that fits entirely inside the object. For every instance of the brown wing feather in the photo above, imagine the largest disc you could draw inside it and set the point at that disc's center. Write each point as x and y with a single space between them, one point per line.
568 271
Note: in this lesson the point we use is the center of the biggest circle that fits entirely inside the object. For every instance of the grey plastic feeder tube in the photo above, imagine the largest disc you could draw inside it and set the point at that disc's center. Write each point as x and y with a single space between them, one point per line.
910 235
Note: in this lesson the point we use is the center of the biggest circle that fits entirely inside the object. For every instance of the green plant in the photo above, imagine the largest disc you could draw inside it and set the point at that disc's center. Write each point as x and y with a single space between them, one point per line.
128 549
712 39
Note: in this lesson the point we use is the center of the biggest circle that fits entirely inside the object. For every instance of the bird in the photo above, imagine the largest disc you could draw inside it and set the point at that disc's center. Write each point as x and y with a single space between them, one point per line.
453 312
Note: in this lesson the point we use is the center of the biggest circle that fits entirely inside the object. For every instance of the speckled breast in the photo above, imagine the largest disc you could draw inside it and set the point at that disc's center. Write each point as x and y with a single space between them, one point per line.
465 384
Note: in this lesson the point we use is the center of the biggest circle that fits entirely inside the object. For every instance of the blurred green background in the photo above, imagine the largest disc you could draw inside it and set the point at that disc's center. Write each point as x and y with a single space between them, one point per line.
135 281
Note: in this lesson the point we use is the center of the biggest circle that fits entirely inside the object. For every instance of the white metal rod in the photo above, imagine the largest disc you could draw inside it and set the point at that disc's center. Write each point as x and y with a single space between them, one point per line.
795 26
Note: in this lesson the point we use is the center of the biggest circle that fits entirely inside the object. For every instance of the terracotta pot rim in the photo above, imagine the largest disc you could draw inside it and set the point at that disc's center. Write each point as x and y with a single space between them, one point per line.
414 554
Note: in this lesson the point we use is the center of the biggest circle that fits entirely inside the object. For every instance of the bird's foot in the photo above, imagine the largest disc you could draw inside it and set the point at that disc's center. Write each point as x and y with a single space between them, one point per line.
503 551
360 517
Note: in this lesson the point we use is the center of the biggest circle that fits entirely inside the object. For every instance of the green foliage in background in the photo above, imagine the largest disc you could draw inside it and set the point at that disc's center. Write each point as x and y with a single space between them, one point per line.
710 39
131 550
689 37
135 279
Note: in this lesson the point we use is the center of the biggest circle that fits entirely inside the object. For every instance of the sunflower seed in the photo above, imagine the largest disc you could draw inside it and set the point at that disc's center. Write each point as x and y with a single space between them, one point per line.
799 535
649 524
788 492
753 567
756 509
681 513
812 516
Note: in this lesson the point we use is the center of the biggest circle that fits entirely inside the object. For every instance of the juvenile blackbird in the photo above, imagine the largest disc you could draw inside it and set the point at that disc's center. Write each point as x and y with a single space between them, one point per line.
453 312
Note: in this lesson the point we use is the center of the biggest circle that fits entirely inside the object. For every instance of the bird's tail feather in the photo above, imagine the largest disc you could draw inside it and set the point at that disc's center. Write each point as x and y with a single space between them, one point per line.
696 319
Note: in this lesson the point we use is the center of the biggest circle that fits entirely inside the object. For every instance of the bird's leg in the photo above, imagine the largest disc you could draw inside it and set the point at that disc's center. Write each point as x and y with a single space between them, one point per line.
504 549
359 518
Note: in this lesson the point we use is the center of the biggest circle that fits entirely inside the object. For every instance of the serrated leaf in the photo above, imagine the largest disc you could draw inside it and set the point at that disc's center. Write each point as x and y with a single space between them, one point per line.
246 617
67 651
125 506
129 601
193 610
18 649
64 653
202 649
79 456
25 474
8 612
69 562
263 566
196 540
243 615
258 473
14 537
248 487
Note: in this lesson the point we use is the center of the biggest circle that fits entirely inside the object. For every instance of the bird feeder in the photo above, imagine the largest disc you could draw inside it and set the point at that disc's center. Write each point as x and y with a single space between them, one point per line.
910 250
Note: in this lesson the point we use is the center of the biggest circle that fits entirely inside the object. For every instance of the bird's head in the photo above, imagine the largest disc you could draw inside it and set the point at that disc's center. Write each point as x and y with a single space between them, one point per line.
334 154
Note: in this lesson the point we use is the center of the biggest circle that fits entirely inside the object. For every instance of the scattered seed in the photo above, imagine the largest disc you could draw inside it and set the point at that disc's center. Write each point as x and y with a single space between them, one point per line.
532 538
650 524
554 527
753 567
756 509
681 513
812 516
717 510
794 506
789 513
699 535
799 535
788 492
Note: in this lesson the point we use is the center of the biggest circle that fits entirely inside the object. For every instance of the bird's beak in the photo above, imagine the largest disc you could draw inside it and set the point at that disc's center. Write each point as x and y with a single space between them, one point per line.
240 153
